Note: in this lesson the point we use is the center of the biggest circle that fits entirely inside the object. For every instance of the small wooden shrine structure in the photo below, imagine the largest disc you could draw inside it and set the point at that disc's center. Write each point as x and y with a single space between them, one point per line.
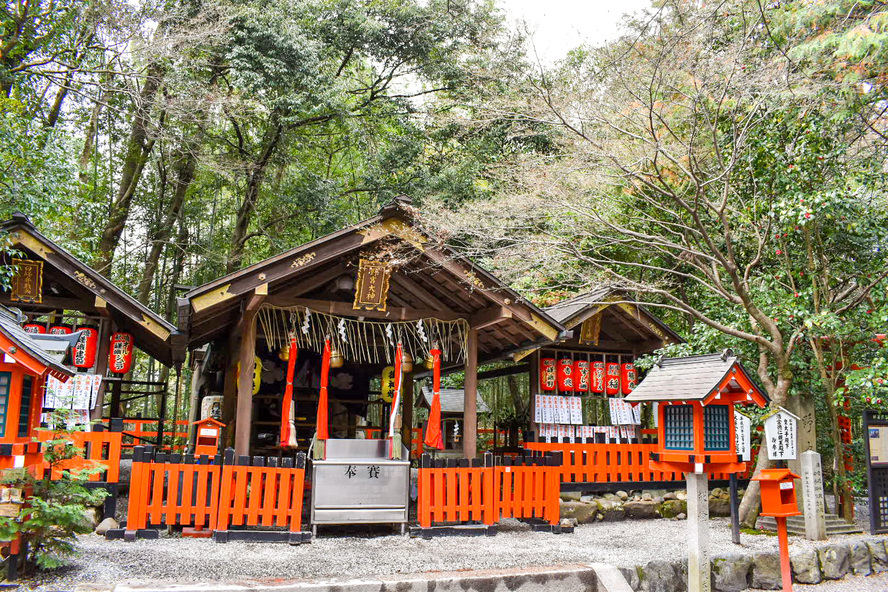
363 288
25 365
58 293
609 331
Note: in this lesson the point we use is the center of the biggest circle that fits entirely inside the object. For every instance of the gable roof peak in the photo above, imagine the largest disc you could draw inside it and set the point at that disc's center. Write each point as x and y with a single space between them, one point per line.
400 204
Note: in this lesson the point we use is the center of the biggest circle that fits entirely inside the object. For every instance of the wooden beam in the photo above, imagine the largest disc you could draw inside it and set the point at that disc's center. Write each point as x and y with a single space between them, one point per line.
508 371
258 297
470 401
345 309
101 306
246 360
423 295
300 288
489 316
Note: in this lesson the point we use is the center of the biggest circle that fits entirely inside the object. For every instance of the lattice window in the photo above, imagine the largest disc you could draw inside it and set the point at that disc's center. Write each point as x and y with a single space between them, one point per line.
5 386
716 428
679 427
25 409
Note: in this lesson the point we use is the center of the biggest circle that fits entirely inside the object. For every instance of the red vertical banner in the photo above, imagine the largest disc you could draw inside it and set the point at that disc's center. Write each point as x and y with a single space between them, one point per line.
433 436
565 375
612 384
288 411
597 377
547 374
396 401
323 413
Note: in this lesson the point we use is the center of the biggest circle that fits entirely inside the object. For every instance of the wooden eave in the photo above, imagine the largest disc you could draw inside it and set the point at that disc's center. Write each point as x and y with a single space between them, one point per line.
93 293
435 283
737 388
33 365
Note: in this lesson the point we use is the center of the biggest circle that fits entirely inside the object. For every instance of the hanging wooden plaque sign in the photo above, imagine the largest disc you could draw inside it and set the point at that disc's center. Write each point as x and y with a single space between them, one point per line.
590 330
371 288
27 283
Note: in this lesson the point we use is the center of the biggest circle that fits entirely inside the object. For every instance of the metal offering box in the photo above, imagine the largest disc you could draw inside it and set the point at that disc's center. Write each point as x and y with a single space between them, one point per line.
359 484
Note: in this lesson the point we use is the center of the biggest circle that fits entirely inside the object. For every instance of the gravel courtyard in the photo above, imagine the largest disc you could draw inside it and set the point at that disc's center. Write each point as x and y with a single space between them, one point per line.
178 560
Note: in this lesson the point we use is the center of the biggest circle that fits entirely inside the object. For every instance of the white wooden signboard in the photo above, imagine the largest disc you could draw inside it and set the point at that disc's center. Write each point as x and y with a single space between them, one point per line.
781 435
743 435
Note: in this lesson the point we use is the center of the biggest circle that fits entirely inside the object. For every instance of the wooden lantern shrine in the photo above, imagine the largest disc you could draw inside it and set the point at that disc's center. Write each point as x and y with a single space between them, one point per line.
778 492
207 436
24 368
697 395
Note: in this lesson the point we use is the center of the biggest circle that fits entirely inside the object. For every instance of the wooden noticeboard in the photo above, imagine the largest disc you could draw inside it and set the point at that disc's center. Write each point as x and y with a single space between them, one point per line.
875 427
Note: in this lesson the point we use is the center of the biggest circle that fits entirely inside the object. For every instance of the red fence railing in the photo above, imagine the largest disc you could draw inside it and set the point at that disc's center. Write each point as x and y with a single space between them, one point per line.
452 491
613 463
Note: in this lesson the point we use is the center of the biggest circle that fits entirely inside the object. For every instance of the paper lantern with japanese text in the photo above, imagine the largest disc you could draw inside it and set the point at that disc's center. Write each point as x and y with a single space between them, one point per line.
581 376
547 374
612 384
85 349
60 330
34 328
565 375
597 385
120 357
629 378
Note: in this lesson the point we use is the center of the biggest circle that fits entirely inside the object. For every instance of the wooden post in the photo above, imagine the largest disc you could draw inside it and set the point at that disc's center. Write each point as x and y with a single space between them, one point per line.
102 364
534 389
470 413
407 411
783 542
735 511
244 413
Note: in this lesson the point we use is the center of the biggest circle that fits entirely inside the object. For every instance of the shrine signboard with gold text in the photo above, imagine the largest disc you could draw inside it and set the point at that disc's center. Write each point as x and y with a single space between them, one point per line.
27 283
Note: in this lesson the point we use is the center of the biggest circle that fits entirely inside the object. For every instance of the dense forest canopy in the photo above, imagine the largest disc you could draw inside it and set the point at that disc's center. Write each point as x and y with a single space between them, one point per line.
724 161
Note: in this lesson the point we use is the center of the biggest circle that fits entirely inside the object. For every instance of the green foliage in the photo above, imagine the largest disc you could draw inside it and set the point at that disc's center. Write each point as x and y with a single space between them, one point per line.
53 511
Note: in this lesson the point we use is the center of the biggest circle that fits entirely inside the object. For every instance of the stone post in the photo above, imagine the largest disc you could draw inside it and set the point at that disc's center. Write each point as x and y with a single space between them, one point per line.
812 488
698 532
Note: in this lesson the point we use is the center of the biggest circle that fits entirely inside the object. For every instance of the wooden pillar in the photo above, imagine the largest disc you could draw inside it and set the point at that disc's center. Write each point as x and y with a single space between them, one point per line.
102 363
470 414
244 411
407 411
534 389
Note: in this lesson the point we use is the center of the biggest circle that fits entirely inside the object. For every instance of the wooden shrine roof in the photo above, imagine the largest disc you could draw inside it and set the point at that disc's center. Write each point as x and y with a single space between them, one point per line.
28 350
429 281
453 400
698 378
70 284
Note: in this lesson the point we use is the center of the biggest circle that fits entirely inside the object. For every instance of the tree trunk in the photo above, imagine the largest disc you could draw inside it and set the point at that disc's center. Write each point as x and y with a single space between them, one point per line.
138 148
251 195
750 506
183 174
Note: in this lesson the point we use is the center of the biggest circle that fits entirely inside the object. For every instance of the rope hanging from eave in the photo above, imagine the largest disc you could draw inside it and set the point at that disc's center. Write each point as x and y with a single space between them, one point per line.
361 341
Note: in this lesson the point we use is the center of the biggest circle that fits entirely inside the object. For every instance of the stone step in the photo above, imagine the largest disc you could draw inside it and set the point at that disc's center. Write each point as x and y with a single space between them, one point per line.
796 525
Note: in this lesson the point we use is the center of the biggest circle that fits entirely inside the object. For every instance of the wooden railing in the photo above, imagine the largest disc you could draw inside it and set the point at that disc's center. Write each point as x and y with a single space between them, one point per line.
613 463
213 493
143 432
101 450
456 491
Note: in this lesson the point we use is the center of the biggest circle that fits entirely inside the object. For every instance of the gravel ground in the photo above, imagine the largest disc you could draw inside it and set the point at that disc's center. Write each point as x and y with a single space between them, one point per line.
177 560
877 583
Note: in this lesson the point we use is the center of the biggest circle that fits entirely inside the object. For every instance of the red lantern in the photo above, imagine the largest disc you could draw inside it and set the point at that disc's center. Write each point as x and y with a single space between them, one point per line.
120 358
597 377
565 375
629 378
85 348
581 376
547 374
60 330
612 386
34 328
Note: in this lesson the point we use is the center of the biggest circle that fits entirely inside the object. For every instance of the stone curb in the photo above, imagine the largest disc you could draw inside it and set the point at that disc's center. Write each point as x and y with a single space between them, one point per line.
564 578
737 572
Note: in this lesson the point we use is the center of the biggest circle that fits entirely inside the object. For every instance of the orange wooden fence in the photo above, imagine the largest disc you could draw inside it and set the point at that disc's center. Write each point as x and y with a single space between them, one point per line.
612 463
101 450
172 490
212 494
528 487
453 491
143 432
261 495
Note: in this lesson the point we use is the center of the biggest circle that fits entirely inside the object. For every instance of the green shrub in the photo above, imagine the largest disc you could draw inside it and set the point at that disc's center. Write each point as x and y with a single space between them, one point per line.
53 512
